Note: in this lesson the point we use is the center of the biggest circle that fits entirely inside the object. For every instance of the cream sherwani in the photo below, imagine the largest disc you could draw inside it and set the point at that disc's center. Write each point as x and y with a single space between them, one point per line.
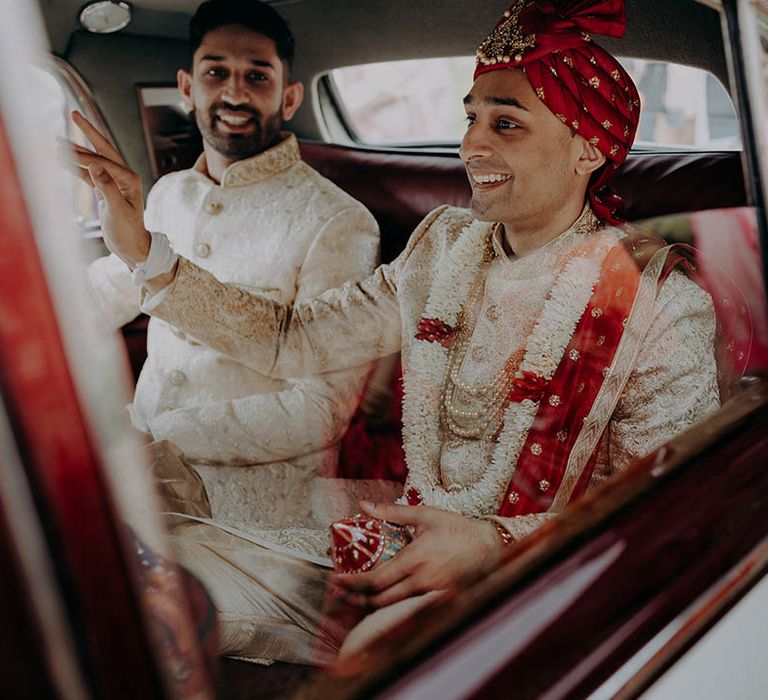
276 227
671 383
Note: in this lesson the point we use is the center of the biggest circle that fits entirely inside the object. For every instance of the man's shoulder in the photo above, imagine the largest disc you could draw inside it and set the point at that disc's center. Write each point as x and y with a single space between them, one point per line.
438 231
449 217
166 183
680 296
324 194
176 176
446 222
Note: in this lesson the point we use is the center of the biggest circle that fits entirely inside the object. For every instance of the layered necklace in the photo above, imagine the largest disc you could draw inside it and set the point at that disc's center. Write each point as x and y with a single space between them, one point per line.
509 405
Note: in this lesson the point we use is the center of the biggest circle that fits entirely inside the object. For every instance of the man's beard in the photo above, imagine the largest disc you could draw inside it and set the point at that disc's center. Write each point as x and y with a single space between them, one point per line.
239 146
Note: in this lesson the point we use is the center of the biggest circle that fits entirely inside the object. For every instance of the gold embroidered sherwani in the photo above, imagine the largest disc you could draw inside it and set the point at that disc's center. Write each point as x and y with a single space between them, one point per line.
672 384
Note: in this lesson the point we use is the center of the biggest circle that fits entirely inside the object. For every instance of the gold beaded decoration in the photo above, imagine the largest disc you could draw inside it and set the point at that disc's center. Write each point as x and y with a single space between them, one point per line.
507 40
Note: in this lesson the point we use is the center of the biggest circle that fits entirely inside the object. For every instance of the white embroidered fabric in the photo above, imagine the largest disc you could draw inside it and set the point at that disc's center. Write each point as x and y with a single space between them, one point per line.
673 385
274 226
521 284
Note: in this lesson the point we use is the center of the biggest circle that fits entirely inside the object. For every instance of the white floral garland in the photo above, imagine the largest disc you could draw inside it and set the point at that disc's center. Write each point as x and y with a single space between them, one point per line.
424 380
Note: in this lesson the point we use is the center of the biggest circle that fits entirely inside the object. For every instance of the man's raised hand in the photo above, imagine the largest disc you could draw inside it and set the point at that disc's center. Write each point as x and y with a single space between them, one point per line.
118 188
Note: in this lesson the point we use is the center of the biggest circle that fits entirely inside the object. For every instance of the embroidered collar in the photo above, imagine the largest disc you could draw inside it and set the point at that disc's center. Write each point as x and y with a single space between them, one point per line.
260 167
586 223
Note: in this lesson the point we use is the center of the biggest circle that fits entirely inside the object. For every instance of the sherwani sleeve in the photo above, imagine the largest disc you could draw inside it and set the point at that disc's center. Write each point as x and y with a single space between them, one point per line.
342 328
673 385
117 297
315 411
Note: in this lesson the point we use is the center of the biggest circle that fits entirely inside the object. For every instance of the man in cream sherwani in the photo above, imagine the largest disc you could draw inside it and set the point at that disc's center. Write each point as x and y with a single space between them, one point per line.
251 212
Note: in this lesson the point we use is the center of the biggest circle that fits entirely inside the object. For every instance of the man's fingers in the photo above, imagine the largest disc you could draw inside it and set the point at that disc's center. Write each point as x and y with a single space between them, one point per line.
395 513
70 164
357 600
126 180
383 576
101 178
73 146
76 151
404 589
106 188
78 171
99 141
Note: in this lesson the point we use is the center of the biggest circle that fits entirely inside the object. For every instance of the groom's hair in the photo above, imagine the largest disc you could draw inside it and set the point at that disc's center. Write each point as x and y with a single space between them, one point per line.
255 15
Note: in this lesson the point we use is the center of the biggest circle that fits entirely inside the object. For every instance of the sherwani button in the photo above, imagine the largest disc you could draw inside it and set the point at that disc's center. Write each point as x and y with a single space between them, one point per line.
203 250
177 377
213 207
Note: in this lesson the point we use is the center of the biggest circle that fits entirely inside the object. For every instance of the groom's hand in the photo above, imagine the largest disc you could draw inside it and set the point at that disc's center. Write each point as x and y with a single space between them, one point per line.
118 189
447 550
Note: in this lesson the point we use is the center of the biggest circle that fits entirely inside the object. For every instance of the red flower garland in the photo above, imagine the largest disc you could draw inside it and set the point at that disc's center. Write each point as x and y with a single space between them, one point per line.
433 330
414 497
529 386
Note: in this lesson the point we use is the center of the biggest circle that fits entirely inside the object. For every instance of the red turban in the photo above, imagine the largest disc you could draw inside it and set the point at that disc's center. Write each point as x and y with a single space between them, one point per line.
582 84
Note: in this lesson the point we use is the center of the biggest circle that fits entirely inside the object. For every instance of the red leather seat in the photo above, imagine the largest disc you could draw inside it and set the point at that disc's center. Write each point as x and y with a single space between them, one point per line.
400 189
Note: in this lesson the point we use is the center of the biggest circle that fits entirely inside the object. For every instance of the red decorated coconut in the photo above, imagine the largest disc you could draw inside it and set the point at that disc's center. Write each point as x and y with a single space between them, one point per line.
359 543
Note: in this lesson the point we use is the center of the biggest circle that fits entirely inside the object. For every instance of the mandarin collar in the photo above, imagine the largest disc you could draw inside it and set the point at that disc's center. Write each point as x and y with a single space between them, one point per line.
260 167
587 223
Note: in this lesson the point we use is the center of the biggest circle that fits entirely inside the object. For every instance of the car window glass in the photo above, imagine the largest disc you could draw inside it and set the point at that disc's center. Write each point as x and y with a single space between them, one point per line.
61 92
420 102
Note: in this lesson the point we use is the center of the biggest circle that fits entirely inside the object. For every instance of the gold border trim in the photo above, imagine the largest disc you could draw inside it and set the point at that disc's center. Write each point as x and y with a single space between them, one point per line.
638 323
264 165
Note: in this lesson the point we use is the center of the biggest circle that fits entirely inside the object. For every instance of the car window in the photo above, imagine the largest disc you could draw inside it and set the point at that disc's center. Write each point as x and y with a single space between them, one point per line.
61 91
419 102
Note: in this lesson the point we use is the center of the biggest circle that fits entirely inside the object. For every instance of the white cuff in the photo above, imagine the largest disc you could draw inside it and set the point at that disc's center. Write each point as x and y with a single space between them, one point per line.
160 260
152 301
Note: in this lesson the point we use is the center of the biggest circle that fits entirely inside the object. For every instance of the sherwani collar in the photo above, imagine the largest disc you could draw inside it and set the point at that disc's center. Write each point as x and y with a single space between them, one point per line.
583 224
260 167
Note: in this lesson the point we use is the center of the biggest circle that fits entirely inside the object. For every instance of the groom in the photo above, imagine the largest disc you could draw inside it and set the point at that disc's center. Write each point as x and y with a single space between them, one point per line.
543 350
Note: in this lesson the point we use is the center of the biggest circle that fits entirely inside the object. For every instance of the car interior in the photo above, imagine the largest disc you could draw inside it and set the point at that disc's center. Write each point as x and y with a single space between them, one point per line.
399 185
663 185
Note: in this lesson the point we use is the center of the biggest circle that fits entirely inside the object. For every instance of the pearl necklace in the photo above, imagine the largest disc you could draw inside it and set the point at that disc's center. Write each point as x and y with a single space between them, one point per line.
429 367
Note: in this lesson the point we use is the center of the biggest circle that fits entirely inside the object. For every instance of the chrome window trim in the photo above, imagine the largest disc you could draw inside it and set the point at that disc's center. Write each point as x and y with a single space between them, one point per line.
66 73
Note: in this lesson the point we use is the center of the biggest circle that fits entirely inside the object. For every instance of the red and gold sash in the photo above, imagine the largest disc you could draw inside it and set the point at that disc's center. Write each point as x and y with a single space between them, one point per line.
559 454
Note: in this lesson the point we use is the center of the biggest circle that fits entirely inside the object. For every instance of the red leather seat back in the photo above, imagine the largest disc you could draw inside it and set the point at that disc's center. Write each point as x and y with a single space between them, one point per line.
401 188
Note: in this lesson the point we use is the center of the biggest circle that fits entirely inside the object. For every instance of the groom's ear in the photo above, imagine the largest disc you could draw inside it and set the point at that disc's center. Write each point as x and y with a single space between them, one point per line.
590 157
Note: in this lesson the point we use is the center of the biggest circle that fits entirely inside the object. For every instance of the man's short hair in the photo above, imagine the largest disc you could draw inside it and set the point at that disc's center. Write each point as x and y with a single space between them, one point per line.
252 14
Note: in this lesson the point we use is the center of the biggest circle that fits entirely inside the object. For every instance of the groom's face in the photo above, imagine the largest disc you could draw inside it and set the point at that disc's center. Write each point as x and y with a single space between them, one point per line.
521 160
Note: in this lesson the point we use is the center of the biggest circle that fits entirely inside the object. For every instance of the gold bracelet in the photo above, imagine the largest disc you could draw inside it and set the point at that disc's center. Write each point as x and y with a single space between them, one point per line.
504 534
